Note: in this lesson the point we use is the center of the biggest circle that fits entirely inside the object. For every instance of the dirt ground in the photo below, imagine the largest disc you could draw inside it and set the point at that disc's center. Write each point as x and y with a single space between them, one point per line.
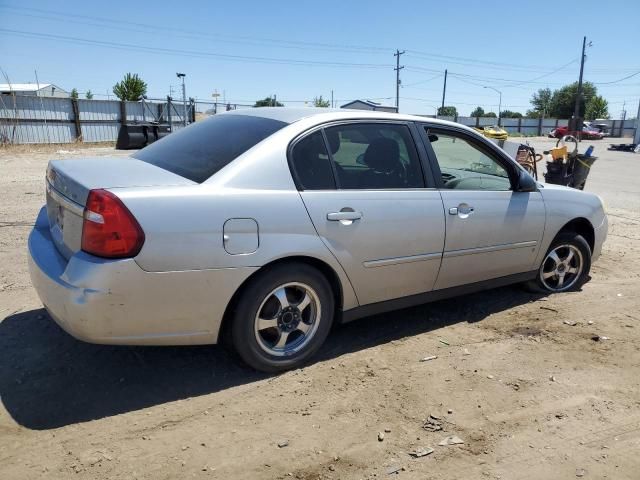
529 392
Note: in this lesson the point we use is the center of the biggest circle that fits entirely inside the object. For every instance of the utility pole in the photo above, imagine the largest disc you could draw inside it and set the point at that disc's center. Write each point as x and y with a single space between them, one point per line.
184 99
636 136
331 98
576 112
397 69
444 88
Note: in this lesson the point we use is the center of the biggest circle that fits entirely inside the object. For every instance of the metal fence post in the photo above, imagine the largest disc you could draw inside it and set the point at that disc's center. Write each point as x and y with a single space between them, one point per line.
76 119
123 112
540 120
169 113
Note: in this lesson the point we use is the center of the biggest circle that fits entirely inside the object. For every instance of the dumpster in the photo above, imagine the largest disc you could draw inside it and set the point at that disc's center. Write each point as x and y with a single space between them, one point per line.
139 135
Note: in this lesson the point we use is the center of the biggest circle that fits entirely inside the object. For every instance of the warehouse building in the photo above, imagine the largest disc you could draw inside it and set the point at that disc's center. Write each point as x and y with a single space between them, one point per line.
33 89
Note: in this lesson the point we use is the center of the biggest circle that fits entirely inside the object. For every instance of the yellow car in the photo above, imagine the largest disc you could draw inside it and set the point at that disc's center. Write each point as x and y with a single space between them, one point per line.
493 131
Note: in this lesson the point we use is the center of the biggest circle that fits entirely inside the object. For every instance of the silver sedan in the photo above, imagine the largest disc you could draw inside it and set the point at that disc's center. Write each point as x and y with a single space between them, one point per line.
266 226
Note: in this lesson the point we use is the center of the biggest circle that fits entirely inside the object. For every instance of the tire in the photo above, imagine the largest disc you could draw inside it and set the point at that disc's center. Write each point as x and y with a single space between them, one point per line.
282 317
574 254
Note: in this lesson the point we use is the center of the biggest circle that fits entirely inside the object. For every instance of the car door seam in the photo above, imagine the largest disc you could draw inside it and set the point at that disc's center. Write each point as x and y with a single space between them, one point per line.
327 247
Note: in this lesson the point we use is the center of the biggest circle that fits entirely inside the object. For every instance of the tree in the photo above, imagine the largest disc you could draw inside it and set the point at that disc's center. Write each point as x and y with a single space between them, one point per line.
490 115
319 102
510 114
268 102
88 95
478 112
561 103
541 101
597 107
447 111
131 88
74 93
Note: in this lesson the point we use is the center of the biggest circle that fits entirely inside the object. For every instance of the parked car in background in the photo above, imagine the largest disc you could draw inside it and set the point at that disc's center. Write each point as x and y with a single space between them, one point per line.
266 226
493 131
587 133
600 127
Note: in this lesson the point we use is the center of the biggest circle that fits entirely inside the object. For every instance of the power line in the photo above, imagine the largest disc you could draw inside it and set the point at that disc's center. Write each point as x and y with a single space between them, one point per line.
192 53
117 24
619 80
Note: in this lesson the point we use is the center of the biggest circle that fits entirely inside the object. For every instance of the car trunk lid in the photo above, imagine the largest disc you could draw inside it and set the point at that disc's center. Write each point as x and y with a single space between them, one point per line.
69 182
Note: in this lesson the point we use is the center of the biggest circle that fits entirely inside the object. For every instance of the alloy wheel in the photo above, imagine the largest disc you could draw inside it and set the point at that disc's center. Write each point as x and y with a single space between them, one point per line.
287 319
561 268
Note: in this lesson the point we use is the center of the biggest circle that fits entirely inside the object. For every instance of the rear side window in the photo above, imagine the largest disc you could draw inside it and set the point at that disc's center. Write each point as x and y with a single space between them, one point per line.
374 156
311 164
200 150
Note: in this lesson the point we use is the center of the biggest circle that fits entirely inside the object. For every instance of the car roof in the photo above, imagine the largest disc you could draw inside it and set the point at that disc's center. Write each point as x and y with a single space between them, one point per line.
292 115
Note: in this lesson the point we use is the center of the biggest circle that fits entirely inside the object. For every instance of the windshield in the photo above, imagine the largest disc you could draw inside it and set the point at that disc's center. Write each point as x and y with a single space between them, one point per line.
200 150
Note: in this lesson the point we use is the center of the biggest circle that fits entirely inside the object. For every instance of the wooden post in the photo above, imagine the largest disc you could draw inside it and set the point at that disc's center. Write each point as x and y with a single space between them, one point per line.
76 119
478 121
519 124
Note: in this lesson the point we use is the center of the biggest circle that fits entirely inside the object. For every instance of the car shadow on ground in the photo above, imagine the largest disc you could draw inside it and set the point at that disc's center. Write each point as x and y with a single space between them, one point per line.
49 380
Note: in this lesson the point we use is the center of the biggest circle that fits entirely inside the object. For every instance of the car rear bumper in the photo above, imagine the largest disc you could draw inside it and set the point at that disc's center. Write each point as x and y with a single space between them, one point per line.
116 302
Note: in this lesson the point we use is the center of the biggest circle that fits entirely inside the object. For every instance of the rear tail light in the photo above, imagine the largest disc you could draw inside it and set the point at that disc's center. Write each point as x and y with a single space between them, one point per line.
109 229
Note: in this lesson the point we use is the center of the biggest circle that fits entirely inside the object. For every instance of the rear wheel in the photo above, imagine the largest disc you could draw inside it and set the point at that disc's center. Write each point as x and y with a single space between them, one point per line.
282 317
565 266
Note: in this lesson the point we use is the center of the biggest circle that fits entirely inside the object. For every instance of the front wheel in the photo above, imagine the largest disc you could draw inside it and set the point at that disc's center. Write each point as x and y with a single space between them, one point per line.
565 266
282 317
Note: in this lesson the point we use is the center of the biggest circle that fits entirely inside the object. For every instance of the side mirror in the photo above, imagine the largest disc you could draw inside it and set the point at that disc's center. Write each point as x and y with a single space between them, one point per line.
526 183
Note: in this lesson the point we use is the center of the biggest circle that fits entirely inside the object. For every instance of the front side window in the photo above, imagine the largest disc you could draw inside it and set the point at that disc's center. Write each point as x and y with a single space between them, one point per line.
465 166
374 156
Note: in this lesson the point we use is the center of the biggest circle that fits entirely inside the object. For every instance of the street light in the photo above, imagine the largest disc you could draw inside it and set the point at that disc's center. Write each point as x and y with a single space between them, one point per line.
184 99
500 103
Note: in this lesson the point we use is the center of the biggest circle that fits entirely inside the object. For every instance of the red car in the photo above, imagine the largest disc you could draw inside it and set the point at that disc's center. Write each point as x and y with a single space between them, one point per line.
588 133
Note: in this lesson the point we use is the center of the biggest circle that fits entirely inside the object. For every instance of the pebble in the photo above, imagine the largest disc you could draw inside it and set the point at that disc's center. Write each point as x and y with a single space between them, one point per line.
490 377
283 443
580 472
380 436
450 411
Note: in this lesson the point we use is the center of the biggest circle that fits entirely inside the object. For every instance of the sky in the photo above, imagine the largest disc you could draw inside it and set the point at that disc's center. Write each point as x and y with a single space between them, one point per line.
298 50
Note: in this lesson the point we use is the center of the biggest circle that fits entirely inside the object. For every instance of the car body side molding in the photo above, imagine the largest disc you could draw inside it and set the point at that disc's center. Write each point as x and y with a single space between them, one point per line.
434 295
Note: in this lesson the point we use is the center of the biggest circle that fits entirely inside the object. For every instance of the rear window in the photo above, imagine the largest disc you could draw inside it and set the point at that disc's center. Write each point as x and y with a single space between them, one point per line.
200 150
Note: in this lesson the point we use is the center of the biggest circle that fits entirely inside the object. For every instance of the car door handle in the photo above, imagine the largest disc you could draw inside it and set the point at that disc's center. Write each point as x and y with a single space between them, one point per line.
463 210
340 216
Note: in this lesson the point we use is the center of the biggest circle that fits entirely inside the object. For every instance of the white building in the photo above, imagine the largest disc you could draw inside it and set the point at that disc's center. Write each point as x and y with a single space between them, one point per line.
33 89
369 105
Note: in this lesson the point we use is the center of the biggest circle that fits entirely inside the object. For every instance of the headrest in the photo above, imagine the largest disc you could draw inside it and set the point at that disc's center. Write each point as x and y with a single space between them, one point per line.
382 155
